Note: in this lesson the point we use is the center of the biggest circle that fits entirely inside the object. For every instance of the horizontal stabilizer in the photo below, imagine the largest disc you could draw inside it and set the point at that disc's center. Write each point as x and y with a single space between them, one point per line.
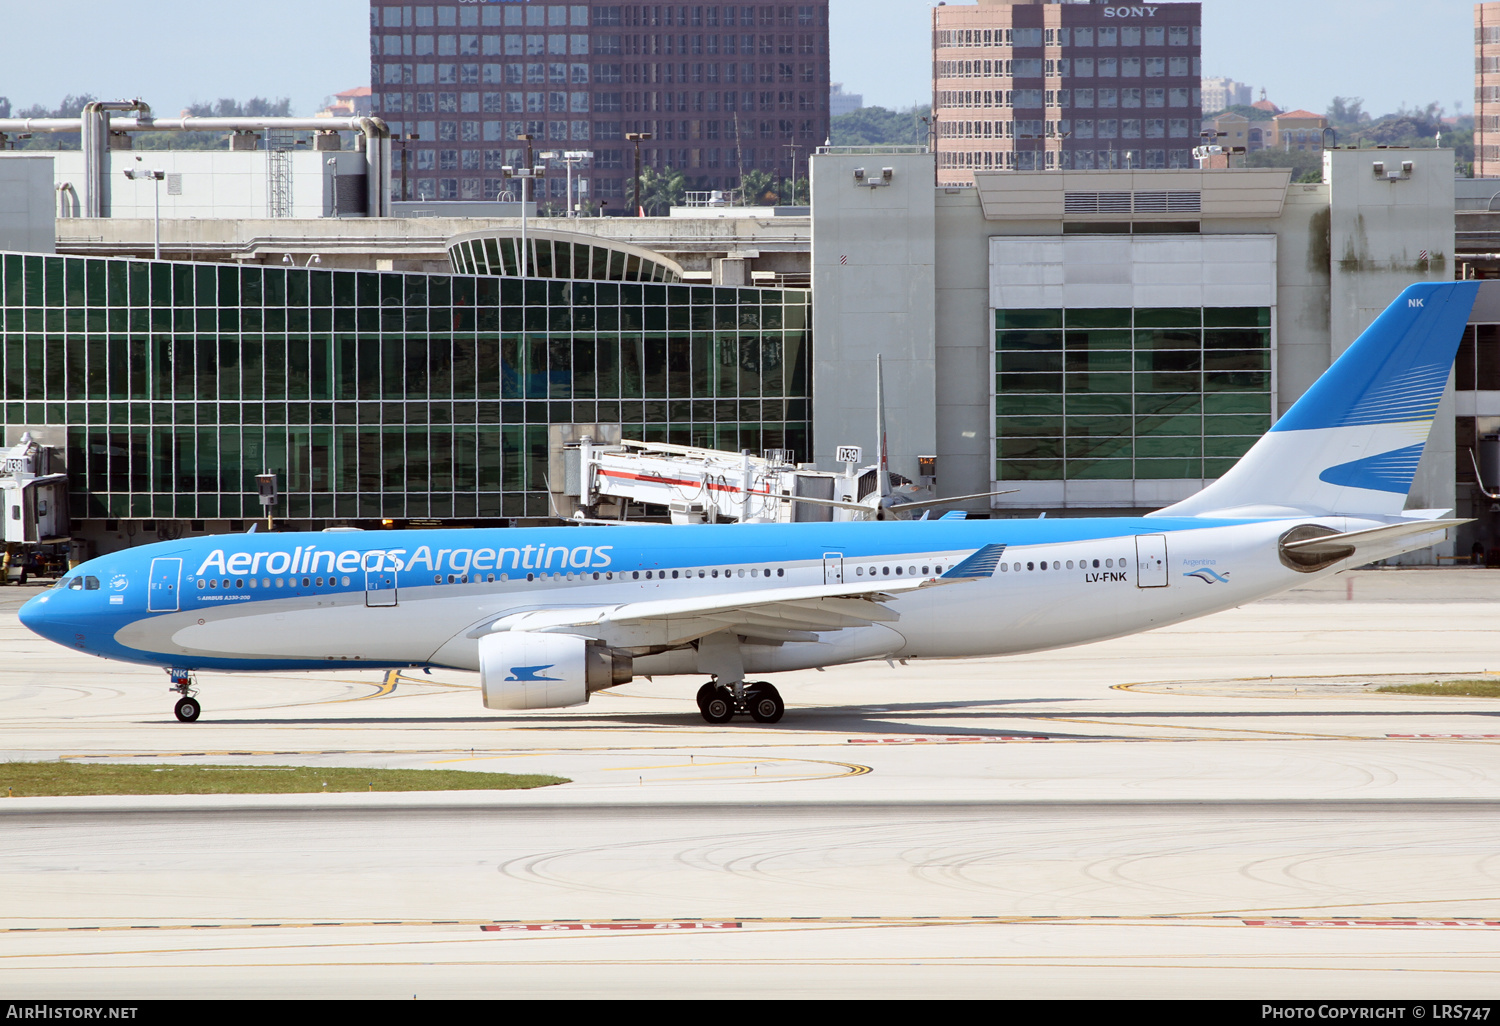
981 564
1352 543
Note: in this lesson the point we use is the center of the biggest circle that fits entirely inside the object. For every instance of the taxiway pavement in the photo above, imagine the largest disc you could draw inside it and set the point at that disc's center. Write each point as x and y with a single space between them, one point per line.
1224 808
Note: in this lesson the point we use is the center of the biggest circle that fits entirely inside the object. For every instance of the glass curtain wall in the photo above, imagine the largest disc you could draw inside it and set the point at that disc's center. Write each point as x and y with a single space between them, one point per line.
375 394
1129 394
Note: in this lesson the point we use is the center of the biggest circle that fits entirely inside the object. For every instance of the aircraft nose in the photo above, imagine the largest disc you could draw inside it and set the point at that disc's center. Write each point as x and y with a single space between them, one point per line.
34 616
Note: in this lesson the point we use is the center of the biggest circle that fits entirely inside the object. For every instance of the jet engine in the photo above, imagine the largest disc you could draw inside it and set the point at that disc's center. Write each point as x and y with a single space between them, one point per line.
522 670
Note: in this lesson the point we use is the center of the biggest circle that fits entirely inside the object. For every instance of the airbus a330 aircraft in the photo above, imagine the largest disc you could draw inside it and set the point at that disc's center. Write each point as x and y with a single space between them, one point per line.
548 615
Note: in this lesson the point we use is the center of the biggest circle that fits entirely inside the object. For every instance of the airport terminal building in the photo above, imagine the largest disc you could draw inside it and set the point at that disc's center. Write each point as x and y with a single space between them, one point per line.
379 395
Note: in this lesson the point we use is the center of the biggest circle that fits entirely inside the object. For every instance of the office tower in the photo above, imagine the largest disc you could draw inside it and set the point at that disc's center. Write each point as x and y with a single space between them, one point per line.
1031 86
721 90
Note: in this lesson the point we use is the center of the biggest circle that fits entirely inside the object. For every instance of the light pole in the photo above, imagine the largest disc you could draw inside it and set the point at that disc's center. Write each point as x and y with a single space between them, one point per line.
333 163
525 174
569 157
793 148
409 137
636 137
155 176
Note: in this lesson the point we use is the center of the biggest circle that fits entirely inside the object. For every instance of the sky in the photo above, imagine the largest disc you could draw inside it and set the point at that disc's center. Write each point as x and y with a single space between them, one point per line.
176 52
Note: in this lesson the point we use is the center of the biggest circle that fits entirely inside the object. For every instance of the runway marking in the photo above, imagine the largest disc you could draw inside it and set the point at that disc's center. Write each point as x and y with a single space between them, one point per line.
386 688
751 922
1446 737
949 739
563 927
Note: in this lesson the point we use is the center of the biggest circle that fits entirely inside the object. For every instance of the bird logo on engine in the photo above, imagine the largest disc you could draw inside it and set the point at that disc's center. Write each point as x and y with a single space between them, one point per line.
531 673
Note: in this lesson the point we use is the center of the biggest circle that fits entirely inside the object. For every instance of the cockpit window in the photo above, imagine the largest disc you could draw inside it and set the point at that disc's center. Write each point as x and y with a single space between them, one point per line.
91 583
76 583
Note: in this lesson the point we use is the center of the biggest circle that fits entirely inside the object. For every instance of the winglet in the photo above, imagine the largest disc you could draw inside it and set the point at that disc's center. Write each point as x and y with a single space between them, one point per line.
981 563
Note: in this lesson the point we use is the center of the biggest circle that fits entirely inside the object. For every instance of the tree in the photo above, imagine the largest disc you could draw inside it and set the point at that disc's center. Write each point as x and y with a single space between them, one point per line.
660 191
1244 110
70 107
1346 110
255 107
1306 165
878 126
757 189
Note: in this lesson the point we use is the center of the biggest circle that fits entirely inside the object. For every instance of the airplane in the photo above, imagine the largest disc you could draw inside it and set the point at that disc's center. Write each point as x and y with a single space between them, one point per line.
548 615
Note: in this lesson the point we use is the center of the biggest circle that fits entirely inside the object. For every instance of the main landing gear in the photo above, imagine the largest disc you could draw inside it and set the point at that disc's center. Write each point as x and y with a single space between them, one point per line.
721 703
187 708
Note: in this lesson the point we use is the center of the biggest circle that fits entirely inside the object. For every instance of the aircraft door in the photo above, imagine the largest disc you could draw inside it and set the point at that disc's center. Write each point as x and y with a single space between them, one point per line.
380 585
1150 561
833 568
166 576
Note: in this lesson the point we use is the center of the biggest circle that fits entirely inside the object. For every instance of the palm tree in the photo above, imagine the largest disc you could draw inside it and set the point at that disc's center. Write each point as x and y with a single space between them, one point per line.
660 191
756 187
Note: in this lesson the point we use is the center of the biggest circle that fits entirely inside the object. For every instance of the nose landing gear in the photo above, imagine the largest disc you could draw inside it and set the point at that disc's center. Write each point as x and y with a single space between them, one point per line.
187 708
721 703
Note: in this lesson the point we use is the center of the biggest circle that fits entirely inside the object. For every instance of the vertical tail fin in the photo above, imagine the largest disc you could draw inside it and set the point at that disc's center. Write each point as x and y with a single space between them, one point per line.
1351 444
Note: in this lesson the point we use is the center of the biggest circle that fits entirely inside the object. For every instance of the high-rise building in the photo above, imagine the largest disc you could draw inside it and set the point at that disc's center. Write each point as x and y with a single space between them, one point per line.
1487 90
1219 93
840 102
1036 85
720 90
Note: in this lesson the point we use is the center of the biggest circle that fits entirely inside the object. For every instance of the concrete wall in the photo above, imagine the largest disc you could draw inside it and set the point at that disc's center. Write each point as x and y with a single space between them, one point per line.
873 281
1386 233
213 183
27 204
964 338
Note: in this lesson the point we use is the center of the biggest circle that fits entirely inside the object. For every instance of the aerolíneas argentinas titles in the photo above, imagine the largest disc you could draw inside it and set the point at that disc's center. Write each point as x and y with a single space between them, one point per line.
548 615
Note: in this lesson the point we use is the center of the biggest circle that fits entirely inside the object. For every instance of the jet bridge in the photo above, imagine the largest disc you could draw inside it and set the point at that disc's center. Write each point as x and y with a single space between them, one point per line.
34 501
594 472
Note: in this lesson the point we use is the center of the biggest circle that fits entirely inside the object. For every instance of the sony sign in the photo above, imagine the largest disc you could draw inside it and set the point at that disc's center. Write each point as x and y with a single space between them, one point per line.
1130 12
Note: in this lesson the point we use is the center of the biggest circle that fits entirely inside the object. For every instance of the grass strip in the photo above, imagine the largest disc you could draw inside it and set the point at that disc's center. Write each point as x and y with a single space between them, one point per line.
1452 688
49 779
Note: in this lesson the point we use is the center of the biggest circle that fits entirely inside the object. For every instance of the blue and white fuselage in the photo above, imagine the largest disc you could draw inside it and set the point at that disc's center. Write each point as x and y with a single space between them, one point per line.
416 598
547 615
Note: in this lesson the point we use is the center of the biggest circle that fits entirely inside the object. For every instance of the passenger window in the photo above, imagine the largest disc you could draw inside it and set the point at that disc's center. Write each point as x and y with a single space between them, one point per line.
1031 566
780 572
898 571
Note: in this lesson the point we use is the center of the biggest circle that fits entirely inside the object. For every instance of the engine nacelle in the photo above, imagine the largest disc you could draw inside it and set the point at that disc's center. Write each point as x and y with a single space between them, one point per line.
522 670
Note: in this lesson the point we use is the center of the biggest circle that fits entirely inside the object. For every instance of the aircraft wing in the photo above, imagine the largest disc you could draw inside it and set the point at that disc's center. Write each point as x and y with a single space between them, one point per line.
773 614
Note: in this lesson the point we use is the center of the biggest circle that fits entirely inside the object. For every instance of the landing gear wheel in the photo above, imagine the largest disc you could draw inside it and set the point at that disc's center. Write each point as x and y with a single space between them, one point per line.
765 703
187 710
705 693
719 706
